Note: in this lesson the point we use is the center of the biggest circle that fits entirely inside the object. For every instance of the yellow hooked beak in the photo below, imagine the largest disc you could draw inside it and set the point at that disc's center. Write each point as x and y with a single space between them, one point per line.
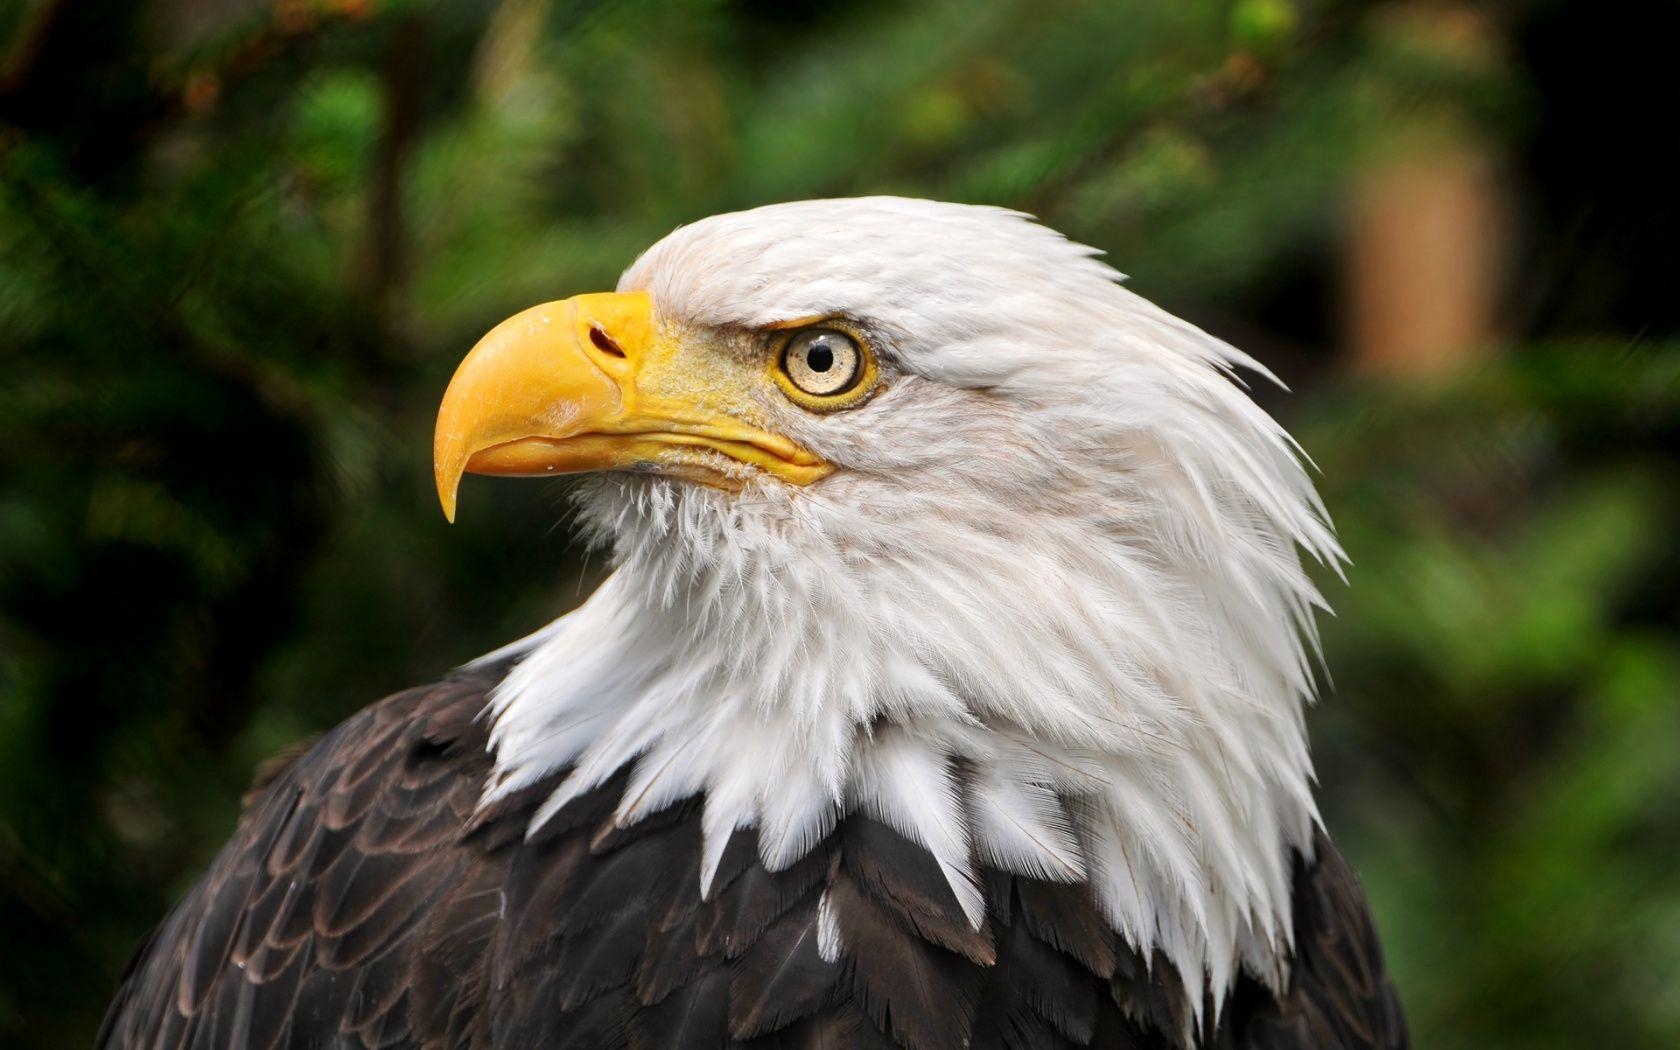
564 387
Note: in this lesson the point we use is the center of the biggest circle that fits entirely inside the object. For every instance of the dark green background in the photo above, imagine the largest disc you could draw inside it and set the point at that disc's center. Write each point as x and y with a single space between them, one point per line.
242 246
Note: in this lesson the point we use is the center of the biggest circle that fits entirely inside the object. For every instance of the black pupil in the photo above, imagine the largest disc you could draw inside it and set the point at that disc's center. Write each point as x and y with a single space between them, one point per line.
819 358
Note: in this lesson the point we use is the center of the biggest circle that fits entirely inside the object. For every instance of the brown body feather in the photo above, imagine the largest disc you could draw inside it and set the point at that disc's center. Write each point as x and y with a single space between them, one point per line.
365 902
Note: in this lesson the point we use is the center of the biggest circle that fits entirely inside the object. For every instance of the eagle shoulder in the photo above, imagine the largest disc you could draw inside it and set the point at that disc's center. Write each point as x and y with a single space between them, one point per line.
1339 993
342 897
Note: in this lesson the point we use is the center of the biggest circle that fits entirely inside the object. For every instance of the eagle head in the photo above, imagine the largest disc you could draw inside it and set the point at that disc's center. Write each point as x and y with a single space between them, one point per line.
916 510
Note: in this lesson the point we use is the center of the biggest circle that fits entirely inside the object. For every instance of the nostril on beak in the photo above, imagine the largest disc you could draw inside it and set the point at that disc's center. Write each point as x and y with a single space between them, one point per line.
604 342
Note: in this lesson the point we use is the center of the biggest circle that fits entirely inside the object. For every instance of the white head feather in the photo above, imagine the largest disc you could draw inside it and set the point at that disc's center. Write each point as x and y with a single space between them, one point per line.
1061 545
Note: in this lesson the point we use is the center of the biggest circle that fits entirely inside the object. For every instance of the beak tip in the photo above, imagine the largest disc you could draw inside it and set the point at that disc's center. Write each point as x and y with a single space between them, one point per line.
448 488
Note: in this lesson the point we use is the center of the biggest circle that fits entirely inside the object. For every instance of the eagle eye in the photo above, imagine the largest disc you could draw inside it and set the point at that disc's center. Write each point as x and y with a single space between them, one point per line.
821 366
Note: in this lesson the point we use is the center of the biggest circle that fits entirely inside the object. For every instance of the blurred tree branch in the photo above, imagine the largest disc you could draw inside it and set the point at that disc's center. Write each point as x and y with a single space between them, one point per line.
388 270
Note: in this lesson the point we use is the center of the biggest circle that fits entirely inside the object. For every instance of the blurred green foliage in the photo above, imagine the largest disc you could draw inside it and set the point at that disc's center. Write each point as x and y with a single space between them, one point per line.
242 246
1498 752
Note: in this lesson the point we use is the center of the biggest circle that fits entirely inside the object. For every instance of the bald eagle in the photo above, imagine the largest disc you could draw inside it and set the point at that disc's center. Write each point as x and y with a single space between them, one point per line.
947 691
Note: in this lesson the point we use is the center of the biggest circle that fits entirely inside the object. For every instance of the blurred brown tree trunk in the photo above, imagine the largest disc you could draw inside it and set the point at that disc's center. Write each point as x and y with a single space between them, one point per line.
1428 231
1423 263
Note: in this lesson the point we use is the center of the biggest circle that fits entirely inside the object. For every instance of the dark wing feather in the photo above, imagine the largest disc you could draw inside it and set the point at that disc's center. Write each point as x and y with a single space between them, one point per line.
695 1015
918 991
1066 917
1010 1016
735 917
593 963
309 928
844 1028
783 979
1042 993
1340 994
671 958
907 884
